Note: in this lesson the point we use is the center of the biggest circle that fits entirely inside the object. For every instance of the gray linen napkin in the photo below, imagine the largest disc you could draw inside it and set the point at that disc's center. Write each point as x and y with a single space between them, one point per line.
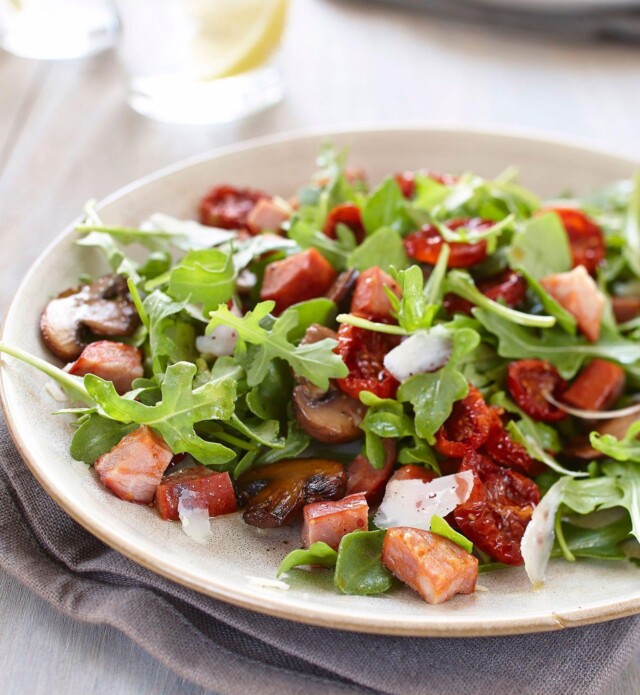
233 651
609 21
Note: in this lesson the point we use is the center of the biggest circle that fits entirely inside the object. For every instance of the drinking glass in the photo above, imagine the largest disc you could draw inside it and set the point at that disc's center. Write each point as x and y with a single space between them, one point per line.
57 29
202 61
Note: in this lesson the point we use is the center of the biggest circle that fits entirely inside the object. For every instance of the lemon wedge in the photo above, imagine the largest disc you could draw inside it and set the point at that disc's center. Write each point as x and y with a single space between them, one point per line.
234 36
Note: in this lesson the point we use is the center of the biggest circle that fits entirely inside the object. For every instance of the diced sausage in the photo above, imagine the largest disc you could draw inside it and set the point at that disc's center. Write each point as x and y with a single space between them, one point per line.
432 565
213 490
625 308
578 293
363 477
297 278
413 472
370 296
114 362
133 469
329 521
267 213
597 387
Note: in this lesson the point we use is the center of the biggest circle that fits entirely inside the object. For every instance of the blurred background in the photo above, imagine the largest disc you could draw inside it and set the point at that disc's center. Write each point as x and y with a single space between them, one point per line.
70 131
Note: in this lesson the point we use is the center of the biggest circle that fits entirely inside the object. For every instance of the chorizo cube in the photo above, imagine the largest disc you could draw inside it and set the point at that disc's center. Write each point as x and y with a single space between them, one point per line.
597 387
300 277
330 521
111 361
133 469
370 295
213 490
432 565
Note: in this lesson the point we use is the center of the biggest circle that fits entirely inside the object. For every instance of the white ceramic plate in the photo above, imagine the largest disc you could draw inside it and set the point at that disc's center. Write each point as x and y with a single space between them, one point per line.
574 594
563 5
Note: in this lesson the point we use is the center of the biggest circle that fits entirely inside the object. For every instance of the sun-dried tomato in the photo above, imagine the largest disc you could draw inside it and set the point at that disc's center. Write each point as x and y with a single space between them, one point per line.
467 428
349 215
425 245
506 287
407 180
506 451
498 510
529 381
363 352
585 238
228 207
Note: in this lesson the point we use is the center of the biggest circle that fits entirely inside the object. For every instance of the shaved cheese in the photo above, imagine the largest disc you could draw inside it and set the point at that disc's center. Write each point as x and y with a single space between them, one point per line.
194 515
413 502
56 392
422 352
537 541
593 414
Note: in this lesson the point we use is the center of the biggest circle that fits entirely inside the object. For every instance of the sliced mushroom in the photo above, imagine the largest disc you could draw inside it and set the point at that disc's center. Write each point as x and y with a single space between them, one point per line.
275 494
102 308
328 416
582 449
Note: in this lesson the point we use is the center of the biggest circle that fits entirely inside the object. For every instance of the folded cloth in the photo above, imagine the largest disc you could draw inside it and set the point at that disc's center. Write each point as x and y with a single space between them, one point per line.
610 20
234 651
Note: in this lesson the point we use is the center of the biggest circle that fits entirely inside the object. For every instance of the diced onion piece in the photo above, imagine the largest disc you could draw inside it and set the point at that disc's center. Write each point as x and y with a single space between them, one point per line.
537 541
413 502
194 516
593 414
424 351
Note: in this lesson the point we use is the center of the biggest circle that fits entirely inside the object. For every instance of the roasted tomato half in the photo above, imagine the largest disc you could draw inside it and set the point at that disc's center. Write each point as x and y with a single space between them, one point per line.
349 215
504 450
363 352
498 510
528 381
506 287
467 428
585 238
228 207
426 244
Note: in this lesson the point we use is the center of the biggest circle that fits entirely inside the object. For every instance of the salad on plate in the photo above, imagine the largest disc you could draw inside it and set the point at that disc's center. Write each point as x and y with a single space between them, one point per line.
433 376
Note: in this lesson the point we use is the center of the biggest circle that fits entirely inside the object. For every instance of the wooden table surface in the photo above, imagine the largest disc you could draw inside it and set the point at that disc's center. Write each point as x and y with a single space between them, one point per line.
67 135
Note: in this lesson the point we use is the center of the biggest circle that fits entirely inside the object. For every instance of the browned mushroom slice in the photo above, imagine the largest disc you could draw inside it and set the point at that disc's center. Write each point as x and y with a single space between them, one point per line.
582 449
275 494
102 308
328 416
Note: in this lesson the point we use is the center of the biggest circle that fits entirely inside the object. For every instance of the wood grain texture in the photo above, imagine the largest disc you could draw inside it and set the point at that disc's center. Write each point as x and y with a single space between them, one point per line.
66 135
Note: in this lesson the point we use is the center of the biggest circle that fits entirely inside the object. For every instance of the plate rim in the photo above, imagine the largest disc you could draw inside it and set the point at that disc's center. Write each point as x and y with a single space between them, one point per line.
262 602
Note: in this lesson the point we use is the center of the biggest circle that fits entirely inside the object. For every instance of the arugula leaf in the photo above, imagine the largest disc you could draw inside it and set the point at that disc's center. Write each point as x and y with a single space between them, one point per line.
204 276
245 251
555 346
442 528
296 442
319 310
597 543
531 248
359 568
161 232
433 395
171 340
546 436
385 207
460 283
73 385
627 476
625 449
383 249
632 229
307 235
118 261
97 435
315 361
590 494
175 415
414 310
316 554
268 400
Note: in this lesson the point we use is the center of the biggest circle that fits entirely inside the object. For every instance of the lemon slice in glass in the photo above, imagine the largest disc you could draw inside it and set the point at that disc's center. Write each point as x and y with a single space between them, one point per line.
234 36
